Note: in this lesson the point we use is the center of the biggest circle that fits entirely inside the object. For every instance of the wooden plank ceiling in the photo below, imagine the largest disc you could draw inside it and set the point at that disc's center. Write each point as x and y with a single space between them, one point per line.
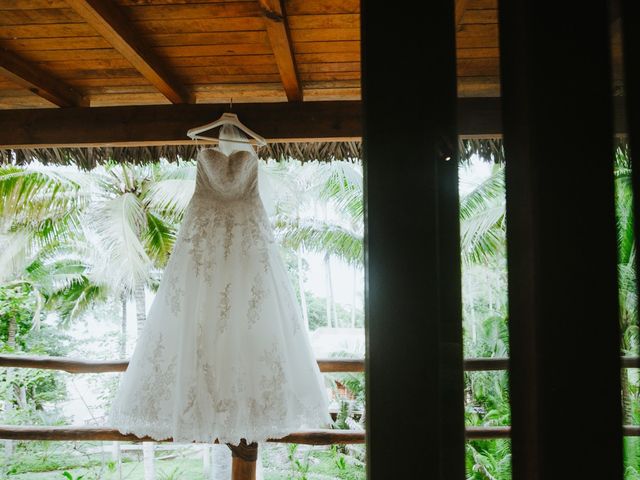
145 52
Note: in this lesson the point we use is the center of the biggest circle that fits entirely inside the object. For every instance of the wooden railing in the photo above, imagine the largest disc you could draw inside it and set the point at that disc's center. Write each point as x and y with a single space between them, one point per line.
243 462
327 365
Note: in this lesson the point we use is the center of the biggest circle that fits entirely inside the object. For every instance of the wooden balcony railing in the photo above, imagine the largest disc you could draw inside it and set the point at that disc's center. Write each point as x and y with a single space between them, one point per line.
241 464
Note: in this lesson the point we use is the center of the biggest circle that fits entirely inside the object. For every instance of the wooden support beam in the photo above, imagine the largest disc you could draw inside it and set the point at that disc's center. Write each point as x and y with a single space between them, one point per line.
168 124
111 23
278 31
37 81
412 279
556 85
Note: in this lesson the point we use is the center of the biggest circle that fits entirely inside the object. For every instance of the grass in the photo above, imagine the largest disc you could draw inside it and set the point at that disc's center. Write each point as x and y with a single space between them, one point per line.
49 460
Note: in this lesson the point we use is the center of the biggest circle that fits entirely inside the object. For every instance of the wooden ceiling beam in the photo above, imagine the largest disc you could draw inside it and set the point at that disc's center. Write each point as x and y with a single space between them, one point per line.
168 124
112 24
461 7
278 32
37 81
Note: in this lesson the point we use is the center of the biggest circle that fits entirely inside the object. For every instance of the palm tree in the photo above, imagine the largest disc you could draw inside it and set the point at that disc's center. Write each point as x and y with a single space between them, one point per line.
133 223
287 188
482 220
69 229
336 190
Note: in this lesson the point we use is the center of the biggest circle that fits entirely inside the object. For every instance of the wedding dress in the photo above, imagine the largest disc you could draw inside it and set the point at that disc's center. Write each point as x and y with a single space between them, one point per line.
224 353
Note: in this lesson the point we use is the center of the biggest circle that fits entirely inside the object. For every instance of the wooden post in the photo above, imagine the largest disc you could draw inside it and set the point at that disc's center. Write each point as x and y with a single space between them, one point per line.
149 461
412 245
243 464
206 461
116 456
631 47
561 239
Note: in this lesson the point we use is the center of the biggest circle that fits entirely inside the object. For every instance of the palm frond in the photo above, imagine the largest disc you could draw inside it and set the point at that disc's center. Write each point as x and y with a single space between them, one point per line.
169 197
37 192
115 227
322 237
71 302
158 239
14 254
482 220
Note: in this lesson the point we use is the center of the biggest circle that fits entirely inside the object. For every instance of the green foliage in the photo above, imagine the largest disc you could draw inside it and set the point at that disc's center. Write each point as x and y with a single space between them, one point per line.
488 460
69 476
339 458
17 307
302 190
27 389
317 312
299 466
321 236
41 456
482 220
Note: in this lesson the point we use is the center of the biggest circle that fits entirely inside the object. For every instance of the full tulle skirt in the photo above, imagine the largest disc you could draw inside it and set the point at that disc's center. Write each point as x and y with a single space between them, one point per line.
224 353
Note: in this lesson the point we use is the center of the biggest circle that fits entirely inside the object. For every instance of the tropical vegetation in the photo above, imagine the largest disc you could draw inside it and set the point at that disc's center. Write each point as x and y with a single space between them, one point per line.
63 229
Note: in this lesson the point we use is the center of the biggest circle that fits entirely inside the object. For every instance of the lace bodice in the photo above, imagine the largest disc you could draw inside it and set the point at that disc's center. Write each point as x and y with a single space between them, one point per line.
227 177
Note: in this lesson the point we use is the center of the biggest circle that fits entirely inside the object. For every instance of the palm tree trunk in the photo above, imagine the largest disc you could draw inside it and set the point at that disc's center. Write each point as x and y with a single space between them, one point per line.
303 295
474 320
141 309
327 276
123 326
334 311
11 335
353 296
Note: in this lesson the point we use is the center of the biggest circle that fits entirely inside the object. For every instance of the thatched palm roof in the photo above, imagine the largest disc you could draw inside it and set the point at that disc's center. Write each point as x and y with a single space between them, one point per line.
89 157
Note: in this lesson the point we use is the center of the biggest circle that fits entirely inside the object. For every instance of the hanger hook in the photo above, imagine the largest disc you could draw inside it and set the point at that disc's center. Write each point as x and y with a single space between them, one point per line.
230 103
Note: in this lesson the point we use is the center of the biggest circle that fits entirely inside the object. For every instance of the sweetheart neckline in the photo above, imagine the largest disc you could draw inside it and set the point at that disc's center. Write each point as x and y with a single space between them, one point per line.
228 157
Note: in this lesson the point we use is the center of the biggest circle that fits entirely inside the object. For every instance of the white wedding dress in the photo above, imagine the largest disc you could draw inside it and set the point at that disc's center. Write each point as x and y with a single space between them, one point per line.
224 353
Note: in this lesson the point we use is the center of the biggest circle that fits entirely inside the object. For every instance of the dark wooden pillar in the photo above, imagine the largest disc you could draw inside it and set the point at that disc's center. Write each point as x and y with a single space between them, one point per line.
557 117
630 17
415 425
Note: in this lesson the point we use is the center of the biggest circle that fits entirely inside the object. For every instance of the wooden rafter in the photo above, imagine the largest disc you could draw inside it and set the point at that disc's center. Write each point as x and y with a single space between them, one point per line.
37 81
278 31
114 27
